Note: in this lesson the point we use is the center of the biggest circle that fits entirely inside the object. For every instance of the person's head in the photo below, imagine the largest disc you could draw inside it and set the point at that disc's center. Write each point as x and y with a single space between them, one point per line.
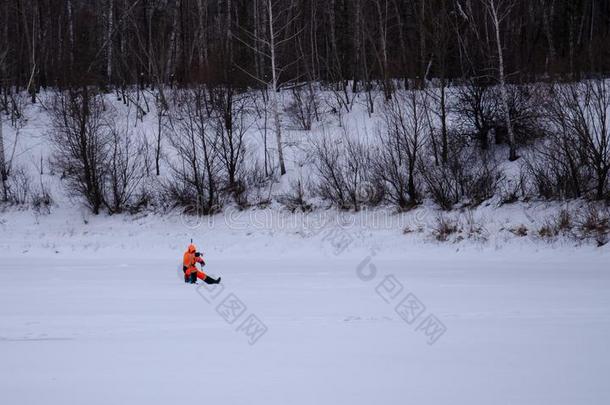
192 248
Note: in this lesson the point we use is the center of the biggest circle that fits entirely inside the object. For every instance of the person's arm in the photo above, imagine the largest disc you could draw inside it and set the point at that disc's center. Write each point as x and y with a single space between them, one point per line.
199 259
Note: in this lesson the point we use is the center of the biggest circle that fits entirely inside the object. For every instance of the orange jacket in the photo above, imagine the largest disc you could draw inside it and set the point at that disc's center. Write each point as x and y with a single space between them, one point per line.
190 259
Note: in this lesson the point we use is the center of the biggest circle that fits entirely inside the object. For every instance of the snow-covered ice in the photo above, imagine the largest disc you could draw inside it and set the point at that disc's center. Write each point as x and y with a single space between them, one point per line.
97 313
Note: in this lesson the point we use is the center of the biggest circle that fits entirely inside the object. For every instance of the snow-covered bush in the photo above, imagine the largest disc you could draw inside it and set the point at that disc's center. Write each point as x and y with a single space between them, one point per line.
80 137
477 110
303 109
254 186
344 172
17 185
228 117
126 172
594 224
42 200
99 162
559 224
525 105
470 175
444 228
196 171
555 169
519 230
403 137
460 227
296 198
574 160
588 223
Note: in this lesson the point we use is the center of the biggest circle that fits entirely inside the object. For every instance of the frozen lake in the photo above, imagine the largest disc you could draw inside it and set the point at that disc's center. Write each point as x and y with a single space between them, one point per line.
104 328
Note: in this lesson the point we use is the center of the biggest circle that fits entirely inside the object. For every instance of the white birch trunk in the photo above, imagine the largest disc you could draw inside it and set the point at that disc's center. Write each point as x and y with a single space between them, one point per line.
275 108
201 36
110 28
2 164
71 32
501 77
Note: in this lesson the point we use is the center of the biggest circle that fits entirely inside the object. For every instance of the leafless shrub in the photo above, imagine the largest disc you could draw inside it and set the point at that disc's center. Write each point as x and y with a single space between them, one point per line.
196 177
42 200
511 190
594 224
564 222
80 136
591 223
340 97
547 231
126 172
444 228
229 118
14 103
477 109
558 224
525 103
479 112
303 109
18 190
470 175
343 168
555 168
100 162
439 185
519 230
403 137
473 229
574 161
255 186
482 179
296 198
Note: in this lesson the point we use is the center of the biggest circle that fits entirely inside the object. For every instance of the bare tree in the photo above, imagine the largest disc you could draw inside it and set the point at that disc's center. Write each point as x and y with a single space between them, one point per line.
80 136
382 10
303 108
403 141
3 174
109 37
477 109
231 124
125 171
499 11
344 168
197 172
580 114
441 39
269 44
548 11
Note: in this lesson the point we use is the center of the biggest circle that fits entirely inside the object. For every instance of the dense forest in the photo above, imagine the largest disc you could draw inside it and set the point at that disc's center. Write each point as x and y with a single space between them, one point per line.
119 42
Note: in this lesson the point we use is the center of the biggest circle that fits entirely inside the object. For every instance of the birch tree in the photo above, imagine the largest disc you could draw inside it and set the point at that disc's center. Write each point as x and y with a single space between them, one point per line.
110 28
3 174
275 109
498 11
268 43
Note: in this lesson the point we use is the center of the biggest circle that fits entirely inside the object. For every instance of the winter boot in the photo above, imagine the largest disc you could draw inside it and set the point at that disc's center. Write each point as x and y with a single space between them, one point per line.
210 280
193 279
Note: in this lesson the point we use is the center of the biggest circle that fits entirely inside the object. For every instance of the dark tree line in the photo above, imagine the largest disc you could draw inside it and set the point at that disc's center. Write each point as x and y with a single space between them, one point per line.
360 42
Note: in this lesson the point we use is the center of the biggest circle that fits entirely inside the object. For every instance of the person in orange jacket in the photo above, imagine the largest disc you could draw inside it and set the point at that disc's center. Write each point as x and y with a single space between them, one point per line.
191 273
